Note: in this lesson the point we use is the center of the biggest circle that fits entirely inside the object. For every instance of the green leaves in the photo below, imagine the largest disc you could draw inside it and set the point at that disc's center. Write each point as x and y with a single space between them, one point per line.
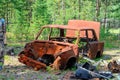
24 17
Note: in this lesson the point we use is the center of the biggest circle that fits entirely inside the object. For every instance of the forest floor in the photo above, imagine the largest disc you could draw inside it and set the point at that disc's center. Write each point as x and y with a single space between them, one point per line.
14 70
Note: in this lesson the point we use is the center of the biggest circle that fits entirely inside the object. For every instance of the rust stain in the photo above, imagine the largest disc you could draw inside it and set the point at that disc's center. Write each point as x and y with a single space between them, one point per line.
61 50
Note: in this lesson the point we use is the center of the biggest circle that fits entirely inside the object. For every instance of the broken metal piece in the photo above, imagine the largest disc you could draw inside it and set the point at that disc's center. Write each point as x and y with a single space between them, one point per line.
106 73
36 65
82 73
114 66
85 73
39 54
89 66
56 64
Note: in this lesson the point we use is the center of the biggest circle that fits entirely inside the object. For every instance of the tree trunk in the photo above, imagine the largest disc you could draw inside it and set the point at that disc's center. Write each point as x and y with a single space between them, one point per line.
64 11
97 10
74 10
64 21
79 4
105 16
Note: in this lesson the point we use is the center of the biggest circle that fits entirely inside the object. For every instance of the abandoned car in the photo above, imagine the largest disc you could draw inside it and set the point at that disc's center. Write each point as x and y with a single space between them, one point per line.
59 46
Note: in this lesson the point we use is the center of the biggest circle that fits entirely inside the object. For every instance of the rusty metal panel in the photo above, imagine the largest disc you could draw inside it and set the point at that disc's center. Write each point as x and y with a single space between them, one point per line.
31 63
34 53
95 49
84 24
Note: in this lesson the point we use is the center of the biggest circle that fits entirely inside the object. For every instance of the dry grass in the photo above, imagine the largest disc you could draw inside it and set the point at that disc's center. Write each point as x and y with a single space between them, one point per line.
14 70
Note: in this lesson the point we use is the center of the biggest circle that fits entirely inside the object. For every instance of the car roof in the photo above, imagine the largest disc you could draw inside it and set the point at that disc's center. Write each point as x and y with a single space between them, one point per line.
78 25
64 27
84 23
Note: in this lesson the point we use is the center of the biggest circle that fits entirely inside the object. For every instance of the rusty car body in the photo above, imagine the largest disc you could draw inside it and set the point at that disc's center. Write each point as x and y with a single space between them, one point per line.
63 42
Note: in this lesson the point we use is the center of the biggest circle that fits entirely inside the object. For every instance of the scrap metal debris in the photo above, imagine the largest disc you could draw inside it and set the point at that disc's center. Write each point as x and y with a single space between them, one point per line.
82 73
88 72
56 64
40 54
114 66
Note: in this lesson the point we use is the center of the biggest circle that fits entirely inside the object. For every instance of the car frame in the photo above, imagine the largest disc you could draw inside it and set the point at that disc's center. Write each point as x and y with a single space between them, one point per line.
60 52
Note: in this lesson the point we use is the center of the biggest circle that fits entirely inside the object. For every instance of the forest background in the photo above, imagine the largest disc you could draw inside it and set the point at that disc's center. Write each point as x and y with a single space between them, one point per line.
24 18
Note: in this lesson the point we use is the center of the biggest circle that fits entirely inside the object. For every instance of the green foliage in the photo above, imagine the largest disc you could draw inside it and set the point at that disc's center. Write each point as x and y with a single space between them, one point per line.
24 18
110 39
87 12
49 69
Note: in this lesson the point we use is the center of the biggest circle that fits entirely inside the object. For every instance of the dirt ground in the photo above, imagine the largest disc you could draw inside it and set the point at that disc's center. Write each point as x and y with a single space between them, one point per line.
14 70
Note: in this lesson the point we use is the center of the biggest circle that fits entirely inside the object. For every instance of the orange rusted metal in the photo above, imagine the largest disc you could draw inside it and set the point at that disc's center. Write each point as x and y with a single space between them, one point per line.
37 49
82 24
62 51
89 33
31 62
95 49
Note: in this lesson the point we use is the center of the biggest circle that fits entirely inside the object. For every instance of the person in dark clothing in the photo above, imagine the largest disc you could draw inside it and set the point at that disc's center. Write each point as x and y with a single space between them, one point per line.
2 41
2 31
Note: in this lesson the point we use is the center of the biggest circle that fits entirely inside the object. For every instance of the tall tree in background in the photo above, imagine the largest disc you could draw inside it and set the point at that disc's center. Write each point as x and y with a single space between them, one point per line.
64 14
105 15
98 4
105 12
79 6
63 10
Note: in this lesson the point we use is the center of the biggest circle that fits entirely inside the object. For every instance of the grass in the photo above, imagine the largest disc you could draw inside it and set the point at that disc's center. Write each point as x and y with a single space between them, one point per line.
16 44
